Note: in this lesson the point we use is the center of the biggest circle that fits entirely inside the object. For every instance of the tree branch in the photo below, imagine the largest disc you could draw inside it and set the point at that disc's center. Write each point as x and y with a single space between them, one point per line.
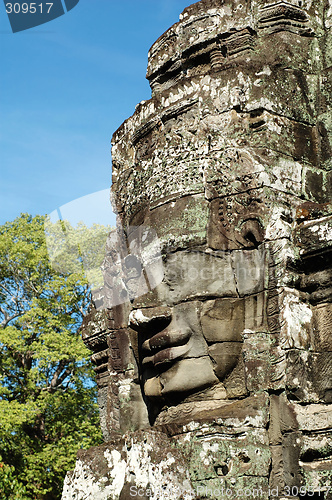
57 378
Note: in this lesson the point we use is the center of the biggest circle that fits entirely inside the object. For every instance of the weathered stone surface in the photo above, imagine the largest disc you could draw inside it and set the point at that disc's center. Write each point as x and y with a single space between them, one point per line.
223 320
291 455
251 411
264 362
295 319
321 331
314 236
235 382
276 479
282 418
320 417
179 223
230 454
309 376
225 355
145 462
218 329
191 274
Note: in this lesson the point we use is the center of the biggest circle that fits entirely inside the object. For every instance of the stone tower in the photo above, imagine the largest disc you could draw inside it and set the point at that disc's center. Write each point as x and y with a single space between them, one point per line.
212 338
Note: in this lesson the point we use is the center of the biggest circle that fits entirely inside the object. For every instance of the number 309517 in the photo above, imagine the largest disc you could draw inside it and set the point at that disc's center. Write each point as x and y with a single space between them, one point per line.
30 8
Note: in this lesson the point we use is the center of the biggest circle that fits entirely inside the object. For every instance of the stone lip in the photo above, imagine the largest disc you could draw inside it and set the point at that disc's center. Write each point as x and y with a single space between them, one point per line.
167 355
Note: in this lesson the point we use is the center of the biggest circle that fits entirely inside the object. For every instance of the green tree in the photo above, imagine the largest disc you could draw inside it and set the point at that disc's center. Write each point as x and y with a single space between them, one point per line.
47 396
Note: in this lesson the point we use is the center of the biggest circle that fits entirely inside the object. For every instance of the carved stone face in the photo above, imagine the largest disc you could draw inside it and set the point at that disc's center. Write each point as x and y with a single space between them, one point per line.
230 164
220 163
191 337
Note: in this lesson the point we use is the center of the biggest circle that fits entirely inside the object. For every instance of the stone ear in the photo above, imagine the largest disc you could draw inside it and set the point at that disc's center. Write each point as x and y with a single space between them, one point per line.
237 222
253 232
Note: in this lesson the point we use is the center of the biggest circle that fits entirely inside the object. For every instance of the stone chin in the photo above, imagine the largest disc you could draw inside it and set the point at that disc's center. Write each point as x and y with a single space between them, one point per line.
183 377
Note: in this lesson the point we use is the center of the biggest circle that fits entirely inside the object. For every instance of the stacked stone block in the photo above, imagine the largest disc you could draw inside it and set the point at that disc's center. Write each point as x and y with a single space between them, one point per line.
229 163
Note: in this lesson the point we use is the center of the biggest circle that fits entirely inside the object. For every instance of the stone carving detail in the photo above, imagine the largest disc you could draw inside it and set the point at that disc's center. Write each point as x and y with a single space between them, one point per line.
283 16
218 375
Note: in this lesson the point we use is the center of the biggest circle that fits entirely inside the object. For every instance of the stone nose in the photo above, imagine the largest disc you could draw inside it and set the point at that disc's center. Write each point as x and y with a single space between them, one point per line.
154 319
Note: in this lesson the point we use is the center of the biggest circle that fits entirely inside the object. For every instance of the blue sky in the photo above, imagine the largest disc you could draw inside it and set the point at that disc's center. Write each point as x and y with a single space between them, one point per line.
65 87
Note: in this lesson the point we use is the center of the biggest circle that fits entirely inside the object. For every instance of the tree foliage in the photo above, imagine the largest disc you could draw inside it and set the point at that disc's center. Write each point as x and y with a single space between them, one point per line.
47 397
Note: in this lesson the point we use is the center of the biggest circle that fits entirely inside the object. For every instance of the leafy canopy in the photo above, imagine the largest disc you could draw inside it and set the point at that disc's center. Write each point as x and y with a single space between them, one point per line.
47 397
